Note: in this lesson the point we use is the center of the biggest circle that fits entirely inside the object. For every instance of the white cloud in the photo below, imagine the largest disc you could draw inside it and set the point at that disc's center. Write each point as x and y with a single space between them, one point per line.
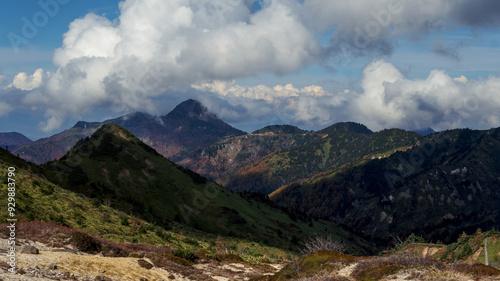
388 100
2 79
461 79
391 100
310 106
263 92
157 47
26 82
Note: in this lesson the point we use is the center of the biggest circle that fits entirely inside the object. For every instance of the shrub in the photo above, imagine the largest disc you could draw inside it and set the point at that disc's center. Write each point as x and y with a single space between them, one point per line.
293 269
86 243
80 219
142 229
96 202
163 234
376 268
47 189
478 269
124 220
322 243
185 254
400 245
191 241
89 244
211 256
253 252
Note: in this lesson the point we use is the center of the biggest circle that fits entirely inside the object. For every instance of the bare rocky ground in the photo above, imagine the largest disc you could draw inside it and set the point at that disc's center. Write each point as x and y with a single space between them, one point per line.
66 263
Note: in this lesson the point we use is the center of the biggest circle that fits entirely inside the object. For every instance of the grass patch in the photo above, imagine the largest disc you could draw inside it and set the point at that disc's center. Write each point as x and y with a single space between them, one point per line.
324 262
377 268
185 254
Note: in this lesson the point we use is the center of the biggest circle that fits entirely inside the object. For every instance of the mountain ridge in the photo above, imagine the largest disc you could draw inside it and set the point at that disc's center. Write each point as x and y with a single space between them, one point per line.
115 167
12 140
340 144
443 185
200 128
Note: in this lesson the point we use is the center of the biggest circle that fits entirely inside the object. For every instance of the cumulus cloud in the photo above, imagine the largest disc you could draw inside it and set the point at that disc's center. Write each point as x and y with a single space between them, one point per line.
482 13
310 106
388 100
461 79
156 48
26 82
266 93
369 28
439 101
2 79
158 45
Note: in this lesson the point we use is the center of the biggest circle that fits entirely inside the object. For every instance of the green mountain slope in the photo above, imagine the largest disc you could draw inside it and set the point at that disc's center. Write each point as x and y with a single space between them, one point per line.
446 184
38 199
229 155
340 144
119 170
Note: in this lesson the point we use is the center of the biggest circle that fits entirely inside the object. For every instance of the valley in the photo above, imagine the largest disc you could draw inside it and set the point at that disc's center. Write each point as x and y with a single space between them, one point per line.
205 201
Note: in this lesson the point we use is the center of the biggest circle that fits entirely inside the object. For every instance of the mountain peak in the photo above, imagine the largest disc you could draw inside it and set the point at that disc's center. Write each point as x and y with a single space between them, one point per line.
347 126
86 125
13 139
191 109
280 129
425 131
109 140
114 130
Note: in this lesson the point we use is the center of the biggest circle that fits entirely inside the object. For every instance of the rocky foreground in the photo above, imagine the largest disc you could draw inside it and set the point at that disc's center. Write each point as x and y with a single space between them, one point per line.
45 261
39 261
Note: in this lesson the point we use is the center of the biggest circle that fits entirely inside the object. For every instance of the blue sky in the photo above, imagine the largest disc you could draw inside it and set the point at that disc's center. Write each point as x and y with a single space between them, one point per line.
429 65
37 52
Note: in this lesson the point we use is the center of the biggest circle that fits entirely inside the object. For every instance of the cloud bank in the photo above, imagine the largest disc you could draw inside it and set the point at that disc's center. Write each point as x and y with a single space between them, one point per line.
156 48
388 100
440 101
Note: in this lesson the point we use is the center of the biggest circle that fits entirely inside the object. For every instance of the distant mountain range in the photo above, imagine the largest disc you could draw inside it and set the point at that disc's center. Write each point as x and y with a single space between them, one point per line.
115 168
13 140
272 157
261 161
188 126
379 185
446 183
229 155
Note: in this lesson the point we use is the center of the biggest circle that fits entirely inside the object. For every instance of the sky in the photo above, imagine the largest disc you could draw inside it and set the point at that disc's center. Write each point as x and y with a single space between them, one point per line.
309 63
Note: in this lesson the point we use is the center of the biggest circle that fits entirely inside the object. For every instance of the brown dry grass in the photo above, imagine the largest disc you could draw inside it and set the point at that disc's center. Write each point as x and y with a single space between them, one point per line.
430 269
